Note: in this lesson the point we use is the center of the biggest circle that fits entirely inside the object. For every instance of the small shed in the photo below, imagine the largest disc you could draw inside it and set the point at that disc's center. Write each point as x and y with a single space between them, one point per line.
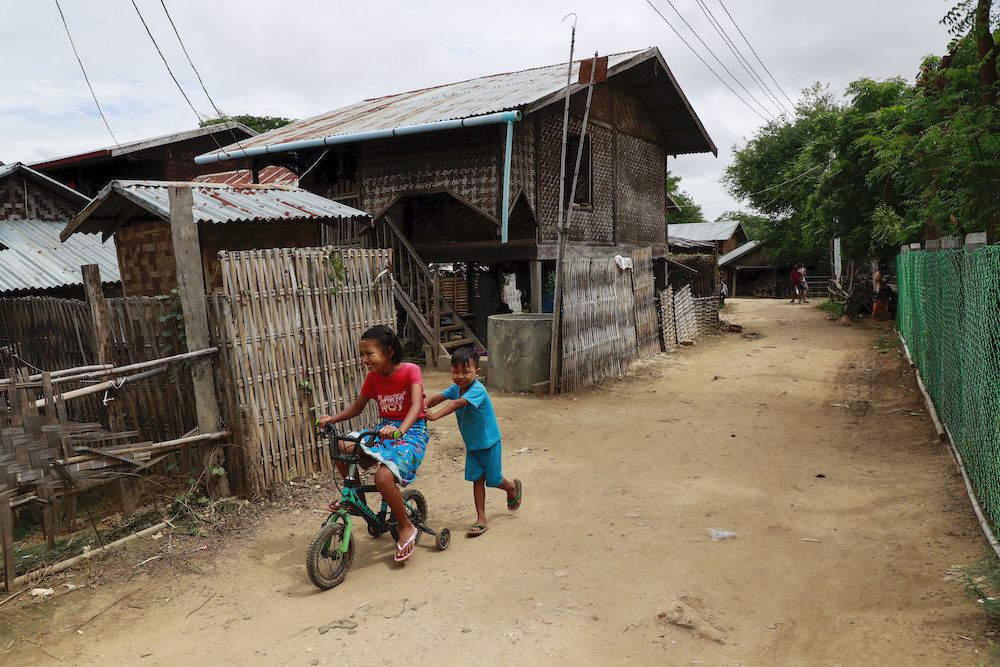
749 270
697 237
33 261
137 214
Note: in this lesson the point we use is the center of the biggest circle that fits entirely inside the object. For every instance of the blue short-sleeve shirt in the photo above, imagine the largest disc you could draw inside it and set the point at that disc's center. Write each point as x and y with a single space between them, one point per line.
476 421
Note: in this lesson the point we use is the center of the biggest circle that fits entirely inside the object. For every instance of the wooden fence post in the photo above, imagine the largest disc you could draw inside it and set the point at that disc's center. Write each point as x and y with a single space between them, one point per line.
191 284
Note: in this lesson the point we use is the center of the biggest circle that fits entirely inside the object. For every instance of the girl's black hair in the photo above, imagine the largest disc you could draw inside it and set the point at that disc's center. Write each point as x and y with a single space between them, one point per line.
387 339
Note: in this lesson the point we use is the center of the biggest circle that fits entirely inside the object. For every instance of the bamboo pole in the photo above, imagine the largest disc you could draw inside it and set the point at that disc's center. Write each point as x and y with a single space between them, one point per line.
105 386
555 364
149 447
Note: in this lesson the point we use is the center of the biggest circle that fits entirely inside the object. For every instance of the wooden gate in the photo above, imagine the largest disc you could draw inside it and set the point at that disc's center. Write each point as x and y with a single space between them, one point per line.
297 316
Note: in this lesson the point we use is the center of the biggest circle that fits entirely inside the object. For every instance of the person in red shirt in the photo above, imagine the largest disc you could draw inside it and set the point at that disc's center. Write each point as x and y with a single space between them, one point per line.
796 278
398 389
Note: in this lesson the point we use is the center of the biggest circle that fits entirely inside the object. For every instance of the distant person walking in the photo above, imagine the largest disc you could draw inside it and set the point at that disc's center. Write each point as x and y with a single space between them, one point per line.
803 283
880 286
796 278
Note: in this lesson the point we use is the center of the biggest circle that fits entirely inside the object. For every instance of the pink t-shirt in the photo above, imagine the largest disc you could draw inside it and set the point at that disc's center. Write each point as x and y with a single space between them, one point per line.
393 392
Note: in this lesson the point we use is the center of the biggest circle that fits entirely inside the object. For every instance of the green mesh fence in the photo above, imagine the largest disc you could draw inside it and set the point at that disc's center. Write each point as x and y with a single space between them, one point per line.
949 315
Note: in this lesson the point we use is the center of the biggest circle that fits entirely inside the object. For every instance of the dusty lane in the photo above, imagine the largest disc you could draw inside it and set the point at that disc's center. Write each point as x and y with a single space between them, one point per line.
809 441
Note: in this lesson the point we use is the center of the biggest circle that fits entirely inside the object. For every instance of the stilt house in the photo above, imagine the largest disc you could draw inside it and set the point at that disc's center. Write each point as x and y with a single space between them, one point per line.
467 175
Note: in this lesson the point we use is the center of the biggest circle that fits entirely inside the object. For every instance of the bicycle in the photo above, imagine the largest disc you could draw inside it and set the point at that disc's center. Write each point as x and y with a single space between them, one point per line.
331 552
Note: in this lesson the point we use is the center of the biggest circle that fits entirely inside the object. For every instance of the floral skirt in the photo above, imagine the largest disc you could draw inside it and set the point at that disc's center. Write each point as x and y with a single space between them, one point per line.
401 456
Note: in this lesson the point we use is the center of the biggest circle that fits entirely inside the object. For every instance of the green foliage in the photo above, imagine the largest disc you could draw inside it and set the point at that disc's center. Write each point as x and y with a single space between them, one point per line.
337 275
173 321
981 581
690 212
260 124
306 386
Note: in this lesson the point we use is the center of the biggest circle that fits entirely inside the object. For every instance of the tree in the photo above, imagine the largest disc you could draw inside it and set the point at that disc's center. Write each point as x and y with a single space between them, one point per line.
259 124
690 212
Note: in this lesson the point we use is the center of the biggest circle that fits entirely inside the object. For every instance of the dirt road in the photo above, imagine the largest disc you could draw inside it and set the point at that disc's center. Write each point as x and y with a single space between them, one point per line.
811 442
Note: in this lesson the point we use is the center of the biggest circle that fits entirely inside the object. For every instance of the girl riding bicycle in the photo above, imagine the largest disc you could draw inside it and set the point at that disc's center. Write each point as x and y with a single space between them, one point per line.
398 388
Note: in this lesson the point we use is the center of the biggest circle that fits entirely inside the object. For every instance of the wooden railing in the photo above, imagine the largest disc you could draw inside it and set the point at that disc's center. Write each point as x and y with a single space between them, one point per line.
418 291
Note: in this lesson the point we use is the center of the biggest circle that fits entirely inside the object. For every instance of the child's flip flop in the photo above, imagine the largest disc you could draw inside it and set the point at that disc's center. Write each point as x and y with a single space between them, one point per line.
512 505
400 556
476 530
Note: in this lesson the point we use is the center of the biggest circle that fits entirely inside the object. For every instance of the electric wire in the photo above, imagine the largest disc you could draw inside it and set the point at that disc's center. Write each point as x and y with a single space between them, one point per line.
698 56
741 59
171 72
85 77
196 73
721 64
754 51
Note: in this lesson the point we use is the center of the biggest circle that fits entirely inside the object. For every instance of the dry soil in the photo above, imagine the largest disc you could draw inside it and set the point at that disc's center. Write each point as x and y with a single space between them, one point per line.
809 439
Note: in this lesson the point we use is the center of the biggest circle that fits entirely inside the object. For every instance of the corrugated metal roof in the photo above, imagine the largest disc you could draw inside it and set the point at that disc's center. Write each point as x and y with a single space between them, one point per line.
35 258
222 129
675 242
499 92
266 176
704 231
120 202
744 249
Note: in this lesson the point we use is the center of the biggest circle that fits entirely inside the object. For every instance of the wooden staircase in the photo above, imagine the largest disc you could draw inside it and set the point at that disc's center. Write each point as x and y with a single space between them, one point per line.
418 290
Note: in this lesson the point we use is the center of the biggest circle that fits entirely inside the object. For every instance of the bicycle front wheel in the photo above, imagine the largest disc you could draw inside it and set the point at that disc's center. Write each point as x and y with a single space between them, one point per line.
325 563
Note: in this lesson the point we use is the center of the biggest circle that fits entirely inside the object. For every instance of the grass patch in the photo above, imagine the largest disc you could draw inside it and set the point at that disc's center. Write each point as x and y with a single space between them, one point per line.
833 309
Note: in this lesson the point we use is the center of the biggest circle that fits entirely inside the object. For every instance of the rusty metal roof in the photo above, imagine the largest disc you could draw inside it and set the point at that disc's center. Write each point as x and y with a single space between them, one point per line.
33 258
266 176
528 90
120 203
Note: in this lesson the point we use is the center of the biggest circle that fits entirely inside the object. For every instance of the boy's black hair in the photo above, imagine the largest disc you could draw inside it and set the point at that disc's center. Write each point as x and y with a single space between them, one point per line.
465 355
387 339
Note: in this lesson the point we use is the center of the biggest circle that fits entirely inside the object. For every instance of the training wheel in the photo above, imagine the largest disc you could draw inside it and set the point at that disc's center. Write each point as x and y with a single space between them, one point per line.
443 539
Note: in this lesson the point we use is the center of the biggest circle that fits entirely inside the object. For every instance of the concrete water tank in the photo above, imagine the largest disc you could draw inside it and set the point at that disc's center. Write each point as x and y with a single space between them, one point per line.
519 345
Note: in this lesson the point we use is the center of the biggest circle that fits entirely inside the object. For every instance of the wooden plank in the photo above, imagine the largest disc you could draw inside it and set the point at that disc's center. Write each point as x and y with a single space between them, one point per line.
191 283
7 539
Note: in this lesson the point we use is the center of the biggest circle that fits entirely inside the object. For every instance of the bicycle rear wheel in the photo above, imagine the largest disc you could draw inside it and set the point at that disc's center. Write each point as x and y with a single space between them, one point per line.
325 563
416 510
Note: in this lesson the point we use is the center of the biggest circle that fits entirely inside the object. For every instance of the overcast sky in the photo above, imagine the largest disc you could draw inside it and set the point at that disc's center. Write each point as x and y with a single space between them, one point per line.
298 58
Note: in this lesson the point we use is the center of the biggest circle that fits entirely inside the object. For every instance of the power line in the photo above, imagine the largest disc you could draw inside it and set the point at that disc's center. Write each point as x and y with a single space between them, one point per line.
752 50
196 73
721 64
85 77
171 72
740 58
698 56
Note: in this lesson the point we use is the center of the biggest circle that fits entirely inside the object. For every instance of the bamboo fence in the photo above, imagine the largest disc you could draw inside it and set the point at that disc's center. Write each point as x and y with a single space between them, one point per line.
679 320
297 316
608 319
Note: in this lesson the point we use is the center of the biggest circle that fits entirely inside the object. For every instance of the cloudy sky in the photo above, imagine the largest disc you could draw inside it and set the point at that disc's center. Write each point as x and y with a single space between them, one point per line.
297 58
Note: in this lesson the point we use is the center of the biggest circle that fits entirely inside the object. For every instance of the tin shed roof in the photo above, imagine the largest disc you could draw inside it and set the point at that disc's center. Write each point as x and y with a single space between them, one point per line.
32 257
742 251
704 231
529 90
121 202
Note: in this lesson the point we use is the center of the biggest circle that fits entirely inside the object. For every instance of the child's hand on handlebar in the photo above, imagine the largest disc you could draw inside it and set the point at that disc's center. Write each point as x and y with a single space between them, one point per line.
323 421
389 432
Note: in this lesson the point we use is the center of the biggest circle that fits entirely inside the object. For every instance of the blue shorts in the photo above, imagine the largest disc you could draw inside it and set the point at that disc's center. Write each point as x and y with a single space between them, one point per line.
479 462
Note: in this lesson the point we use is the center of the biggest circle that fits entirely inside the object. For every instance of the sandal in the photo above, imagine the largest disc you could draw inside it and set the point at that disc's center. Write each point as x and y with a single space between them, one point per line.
333 506
512 505
477 529
400 556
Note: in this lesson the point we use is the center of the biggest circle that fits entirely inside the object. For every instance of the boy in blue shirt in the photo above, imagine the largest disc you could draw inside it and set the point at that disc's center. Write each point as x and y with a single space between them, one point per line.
468 399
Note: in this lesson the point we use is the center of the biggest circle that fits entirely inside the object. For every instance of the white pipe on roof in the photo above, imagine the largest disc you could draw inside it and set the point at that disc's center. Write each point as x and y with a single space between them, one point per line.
438 126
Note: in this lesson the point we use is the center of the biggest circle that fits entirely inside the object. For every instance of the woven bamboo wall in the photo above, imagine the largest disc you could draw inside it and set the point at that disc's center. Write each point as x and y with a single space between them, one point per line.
598 322
679 319
641 214
647 329
463 161
706 312
298 315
